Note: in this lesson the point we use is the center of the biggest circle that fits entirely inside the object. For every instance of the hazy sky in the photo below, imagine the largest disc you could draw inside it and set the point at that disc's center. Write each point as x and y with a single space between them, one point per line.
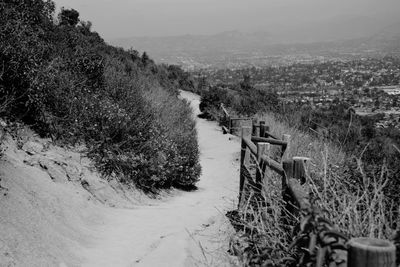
125 18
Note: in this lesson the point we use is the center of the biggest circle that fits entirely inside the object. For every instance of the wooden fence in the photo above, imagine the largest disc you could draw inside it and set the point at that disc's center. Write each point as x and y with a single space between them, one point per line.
233 125
256 143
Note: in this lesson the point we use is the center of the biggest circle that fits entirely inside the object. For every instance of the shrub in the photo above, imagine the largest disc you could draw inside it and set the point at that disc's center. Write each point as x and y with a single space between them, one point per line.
178 128
245 102
211 101
68 84
253 101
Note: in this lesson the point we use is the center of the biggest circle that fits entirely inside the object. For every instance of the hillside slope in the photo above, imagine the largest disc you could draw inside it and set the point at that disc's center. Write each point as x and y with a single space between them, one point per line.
55 210
51 197
65 82
168 233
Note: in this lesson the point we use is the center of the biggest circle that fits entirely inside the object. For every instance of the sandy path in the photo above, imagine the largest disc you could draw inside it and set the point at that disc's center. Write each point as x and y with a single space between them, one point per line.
158 235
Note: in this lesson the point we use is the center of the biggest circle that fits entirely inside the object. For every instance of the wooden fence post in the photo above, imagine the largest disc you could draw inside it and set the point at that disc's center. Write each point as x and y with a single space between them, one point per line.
284 153
261 149
300 168
227 122
267 171
256 128
288 168
262 129
293 194
371 252
287 199
267 131
244 159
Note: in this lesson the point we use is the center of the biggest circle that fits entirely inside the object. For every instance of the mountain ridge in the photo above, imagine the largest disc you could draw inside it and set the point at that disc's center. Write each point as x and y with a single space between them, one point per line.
352 35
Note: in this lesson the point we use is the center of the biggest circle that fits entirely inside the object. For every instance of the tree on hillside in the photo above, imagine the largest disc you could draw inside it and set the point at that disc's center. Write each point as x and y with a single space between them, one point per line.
203 84
69 17
86 26
145 59
134 54
246 83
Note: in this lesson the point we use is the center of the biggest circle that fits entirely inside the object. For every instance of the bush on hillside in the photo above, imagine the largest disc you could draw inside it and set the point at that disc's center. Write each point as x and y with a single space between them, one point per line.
211 101
245 102
67 83
252 101
178 129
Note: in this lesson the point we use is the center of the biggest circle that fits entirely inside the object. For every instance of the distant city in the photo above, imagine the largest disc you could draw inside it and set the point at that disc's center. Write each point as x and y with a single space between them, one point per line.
363 72
237 50
369 85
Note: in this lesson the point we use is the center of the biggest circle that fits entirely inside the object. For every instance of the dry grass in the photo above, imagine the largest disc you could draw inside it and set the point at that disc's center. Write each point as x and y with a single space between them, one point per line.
355 209
358 210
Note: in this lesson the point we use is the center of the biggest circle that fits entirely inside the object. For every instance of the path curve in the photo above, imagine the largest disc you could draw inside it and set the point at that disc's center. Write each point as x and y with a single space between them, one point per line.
159 235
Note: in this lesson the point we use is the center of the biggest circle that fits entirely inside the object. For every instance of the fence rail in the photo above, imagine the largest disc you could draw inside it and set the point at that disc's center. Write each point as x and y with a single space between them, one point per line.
256 142
233 125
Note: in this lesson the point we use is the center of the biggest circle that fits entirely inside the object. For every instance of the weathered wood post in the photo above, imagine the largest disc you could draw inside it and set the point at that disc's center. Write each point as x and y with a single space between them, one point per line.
267 131
262 129
267 171
244 159
224 112
255 128
224 130
293 195
227 120
371 252
286 196
265 174
261 149
285 149
300 168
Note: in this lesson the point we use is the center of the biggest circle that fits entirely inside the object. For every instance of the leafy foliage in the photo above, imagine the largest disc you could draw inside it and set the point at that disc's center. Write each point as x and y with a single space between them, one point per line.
317 242
243 99
66 82
68 17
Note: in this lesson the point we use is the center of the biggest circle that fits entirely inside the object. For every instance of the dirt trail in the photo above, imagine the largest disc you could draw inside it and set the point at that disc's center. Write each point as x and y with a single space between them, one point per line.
169 233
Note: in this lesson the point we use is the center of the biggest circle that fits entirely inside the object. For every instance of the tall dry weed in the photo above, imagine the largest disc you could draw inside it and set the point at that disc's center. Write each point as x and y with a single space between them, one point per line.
356 207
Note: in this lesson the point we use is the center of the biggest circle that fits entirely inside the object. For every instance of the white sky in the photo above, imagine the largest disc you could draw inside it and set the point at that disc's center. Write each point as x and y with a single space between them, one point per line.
125 18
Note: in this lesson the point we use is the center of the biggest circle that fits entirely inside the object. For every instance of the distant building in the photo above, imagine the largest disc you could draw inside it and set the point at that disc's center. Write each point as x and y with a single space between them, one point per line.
390 90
